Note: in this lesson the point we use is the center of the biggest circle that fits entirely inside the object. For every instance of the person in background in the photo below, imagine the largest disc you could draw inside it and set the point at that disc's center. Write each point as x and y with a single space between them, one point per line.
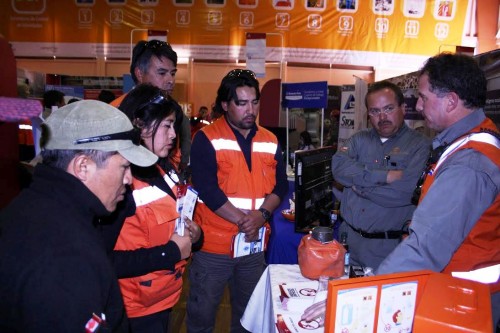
55 275
52 100
106 96
150 295
456 226
379 168
199 121
155 62
73 100
305 141
238 171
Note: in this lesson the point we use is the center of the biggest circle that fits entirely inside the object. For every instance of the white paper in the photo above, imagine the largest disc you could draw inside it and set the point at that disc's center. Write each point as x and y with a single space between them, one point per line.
242 248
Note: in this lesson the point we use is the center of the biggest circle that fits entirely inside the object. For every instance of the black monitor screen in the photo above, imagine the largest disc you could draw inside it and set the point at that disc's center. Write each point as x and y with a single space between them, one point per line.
313 188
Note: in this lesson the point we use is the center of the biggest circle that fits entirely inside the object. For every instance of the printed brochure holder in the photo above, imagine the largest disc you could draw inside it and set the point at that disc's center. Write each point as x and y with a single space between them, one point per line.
420 301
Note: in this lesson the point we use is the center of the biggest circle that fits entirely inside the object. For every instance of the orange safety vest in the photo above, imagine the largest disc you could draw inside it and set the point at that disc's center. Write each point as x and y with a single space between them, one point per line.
153 224
116 103
480 248
244 189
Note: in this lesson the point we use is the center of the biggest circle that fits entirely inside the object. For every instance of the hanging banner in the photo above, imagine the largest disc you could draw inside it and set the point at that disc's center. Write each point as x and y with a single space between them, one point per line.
337 31
256 53
360 114
347 113
305 95
158 35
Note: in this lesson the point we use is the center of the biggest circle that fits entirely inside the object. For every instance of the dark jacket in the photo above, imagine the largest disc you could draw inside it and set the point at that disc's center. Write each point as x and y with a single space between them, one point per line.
54 271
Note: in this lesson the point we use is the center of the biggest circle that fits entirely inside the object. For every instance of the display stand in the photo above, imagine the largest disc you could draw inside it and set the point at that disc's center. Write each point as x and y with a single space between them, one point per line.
421 301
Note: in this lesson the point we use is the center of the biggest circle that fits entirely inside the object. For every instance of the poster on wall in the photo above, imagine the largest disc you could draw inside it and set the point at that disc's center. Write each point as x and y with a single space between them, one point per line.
347 114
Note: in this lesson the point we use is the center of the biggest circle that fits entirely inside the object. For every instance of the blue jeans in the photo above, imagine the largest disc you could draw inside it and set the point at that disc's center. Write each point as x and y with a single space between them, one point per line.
208 275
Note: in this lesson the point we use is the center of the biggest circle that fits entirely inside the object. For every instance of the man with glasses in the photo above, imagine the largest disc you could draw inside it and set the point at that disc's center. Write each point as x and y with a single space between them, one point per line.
155 62
238 171
55 275
379 168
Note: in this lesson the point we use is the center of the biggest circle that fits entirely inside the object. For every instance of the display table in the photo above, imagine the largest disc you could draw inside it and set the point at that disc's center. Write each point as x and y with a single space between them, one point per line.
284 241
265 307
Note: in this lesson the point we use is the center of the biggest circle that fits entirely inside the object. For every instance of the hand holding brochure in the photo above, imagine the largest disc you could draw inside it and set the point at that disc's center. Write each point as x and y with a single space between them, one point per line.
185 208
241 248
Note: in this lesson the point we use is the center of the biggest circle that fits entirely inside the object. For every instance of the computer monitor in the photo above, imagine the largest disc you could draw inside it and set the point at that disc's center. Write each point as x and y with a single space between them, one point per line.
313 188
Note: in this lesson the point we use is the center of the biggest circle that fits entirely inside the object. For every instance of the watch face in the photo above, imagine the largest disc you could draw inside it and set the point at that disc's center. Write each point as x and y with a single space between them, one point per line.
265 213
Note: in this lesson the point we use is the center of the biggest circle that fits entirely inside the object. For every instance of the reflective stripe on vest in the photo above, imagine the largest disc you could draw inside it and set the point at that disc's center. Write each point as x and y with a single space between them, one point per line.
244 203
478 137
265 147
149 194
258 147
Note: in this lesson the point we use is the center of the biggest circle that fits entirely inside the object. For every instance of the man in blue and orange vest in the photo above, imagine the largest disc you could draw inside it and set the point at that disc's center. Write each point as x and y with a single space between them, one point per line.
238 171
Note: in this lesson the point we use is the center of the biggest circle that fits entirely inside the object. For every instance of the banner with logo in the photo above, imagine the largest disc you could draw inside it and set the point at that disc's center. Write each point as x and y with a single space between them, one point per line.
347 113
305 95
338 31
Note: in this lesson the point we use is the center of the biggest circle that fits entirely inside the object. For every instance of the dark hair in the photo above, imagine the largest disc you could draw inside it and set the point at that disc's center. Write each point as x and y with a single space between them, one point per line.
233 80
459 74
145 50
381 85
52 98
106 96
146 106
73 100
60 158
306 137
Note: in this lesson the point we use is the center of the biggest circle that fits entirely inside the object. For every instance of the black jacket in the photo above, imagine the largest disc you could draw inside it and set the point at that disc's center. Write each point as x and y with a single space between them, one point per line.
54 271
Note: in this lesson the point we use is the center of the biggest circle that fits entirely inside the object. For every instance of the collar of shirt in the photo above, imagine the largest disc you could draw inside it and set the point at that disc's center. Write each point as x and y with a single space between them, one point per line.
459 128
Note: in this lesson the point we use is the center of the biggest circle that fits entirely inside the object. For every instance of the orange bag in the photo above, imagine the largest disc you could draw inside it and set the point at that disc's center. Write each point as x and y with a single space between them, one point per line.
318 258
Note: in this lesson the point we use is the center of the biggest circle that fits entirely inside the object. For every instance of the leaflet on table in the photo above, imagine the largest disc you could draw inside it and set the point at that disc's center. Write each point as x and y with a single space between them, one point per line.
293 324
241 248
185 207
295 298
299 289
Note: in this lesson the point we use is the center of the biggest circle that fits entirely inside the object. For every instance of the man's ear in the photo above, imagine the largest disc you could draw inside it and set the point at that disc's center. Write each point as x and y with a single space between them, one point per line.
453 101
81 167
138 74
224 105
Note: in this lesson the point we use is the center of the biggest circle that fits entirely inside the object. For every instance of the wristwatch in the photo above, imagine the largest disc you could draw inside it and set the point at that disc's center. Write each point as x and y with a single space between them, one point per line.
265 213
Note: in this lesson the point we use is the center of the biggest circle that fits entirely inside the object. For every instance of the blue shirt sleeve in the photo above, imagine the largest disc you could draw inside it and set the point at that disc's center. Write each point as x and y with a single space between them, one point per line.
204 172
464 187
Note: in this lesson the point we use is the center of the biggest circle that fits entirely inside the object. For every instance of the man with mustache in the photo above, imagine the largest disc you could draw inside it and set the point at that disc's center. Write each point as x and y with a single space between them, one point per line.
379 168
238 171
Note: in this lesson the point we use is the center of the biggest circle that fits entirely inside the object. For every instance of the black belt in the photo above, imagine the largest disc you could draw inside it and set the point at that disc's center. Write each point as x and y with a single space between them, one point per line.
391 234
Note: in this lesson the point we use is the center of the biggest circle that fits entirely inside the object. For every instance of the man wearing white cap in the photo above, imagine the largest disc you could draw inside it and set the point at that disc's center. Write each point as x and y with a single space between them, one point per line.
55 275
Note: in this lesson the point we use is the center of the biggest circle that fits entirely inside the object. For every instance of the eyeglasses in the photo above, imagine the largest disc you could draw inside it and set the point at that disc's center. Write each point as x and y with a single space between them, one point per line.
133 135
241 72
156 44
389 109
152 45
434 156
158 99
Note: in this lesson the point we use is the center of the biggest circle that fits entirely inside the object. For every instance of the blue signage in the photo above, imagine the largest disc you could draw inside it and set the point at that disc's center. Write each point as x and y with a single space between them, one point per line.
305 95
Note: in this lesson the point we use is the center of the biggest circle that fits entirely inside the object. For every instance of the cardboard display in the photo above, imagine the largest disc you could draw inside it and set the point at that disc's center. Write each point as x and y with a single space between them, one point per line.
421 301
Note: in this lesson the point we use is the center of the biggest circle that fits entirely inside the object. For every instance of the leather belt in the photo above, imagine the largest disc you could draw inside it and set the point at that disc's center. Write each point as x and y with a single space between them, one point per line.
391 234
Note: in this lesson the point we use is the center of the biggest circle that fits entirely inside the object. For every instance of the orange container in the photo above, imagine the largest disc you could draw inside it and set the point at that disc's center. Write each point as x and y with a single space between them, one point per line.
450 304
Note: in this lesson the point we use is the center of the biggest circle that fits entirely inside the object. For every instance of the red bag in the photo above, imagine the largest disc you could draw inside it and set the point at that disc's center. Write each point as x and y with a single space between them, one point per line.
317 258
